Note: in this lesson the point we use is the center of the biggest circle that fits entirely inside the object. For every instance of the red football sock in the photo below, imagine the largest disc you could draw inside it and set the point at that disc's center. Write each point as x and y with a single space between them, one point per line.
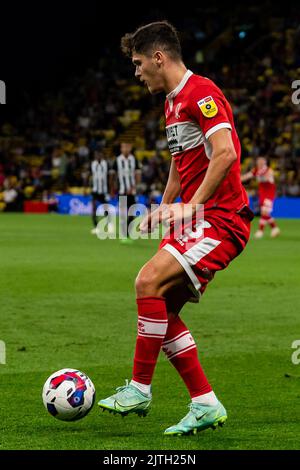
263 222
152 327
180 348
272 222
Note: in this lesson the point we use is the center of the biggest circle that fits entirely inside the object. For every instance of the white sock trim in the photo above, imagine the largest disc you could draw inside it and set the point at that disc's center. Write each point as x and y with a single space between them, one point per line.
141 387
208 399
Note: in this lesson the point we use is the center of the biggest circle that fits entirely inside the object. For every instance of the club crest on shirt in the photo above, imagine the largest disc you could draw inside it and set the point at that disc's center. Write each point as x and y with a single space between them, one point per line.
177 113
208 107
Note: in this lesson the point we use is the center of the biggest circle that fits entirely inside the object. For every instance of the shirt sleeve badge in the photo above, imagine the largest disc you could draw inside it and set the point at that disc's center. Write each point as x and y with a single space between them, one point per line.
208 107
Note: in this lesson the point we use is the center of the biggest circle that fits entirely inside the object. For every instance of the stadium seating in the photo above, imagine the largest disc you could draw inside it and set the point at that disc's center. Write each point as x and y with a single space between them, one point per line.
50 148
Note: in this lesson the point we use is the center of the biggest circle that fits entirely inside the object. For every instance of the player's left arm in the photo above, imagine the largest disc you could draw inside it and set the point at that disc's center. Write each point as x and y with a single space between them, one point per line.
222 158
137 176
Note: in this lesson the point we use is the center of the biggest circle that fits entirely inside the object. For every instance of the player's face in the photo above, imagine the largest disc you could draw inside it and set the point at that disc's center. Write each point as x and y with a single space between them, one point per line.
126 149
261 162
148 72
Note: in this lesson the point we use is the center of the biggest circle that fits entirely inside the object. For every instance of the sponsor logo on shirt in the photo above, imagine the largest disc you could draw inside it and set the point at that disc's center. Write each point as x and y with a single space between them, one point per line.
208 107
183 136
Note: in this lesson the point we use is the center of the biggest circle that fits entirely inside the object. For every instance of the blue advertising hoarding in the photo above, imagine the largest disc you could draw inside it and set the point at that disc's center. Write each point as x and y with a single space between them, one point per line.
284 207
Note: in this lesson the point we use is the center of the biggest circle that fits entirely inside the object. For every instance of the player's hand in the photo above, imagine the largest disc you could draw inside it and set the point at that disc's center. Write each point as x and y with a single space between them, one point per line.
151 220
167 214
177 212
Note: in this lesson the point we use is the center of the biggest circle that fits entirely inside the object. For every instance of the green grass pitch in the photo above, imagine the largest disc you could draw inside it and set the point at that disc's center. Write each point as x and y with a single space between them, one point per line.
67 300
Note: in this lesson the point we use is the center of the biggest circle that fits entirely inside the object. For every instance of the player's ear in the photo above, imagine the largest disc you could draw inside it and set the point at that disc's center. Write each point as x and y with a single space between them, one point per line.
158 57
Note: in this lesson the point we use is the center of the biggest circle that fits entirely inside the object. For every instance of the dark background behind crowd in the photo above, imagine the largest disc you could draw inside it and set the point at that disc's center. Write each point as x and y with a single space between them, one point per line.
70 91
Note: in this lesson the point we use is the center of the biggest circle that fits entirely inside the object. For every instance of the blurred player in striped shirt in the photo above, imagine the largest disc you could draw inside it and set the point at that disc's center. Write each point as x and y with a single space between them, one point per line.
125 175
100 186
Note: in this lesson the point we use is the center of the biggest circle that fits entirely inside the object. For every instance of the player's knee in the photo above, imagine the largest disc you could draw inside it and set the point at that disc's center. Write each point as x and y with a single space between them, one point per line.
265 212
147 283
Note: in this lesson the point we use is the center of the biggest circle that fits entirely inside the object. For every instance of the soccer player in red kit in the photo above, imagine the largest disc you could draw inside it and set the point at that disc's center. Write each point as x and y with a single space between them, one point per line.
205 170
266 195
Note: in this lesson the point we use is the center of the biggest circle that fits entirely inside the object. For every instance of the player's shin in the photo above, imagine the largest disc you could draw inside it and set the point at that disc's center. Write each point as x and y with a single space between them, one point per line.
272 222
152 327
180 348
263 221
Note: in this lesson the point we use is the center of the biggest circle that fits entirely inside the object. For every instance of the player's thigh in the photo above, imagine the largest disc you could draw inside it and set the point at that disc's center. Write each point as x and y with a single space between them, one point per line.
176 298
162 272
131 200
266 207
94 203
216 244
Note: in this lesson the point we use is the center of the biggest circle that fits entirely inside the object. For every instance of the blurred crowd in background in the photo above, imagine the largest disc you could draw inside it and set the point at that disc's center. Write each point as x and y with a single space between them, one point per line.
48 148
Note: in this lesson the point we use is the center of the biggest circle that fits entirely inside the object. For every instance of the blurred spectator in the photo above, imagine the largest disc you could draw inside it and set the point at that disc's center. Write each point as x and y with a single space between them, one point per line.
293 185
11 197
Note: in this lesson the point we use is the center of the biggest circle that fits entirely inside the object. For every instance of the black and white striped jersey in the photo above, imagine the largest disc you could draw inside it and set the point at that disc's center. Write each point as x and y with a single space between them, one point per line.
99 177
126 168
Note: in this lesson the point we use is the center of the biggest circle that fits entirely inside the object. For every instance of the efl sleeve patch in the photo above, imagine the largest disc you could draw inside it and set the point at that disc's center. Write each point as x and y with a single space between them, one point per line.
208 107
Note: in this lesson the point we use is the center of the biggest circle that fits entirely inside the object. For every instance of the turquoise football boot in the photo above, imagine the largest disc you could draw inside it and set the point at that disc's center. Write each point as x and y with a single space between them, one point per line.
128 399
199 417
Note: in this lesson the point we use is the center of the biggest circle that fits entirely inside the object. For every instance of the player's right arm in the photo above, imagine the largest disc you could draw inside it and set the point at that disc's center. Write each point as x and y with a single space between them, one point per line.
171 192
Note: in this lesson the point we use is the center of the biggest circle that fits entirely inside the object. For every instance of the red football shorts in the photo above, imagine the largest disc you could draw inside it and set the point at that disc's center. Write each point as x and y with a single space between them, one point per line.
213 243
266 205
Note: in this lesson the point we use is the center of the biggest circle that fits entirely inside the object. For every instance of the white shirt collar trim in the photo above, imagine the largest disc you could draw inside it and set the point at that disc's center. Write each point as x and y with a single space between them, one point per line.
174 93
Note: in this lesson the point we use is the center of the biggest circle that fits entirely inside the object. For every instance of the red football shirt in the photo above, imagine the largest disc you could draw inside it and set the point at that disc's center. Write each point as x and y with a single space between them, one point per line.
194 111
266 183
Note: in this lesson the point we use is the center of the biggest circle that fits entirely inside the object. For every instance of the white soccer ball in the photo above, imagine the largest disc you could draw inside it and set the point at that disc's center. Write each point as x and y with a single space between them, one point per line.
68 394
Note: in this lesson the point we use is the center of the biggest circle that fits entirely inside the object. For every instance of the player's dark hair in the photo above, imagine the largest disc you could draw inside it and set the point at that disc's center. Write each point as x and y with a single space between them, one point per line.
150 37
